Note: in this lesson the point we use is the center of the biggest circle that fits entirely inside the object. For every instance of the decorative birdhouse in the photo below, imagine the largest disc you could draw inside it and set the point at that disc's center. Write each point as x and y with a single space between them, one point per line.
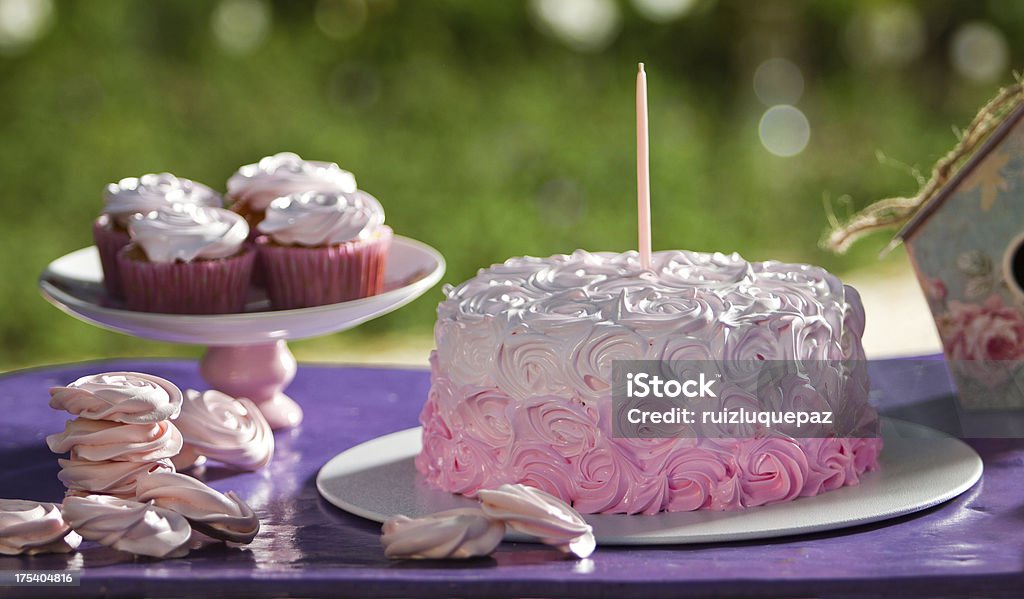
965 235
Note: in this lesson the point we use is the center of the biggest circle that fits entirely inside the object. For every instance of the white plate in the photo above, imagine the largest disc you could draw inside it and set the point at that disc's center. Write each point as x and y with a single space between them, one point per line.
73 283
920 468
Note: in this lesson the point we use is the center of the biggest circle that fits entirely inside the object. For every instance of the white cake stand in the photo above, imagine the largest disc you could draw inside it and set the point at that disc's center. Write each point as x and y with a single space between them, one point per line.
247 354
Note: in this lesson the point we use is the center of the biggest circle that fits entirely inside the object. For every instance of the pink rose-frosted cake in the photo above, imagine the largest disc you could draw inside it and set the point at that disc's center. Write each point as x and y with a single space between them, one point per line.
521 379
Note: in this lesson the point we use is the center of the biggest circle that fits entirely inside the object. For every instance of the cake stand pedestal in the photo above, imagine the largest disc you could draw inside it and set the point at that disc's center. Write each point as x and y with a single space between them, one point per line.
259 372
247 354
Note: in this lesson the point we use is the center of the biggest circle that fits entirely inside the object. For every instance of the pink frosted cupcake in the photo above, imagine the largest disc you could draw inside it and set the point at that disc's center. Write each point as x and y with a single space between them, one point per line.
254 186
139 195
187 259
322 248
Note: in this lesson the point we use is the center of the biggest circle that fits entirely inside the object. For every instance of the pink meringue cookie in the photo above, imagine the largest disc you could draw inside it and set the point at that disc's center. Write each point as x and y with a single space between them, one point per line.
453 534
140 528
111 478
225 517
31 528
220 427
539 514
128 397
98 440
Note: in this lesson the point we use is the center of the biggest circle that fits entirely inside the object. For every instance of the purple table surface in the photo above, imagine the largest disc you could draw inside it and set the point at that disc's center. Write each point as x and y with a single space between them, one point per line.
971 545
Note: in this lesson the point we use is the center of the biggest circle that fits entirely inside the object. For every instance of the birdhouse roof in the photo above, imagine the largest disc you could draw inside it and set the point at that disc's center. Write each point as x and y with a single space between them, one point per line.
932 204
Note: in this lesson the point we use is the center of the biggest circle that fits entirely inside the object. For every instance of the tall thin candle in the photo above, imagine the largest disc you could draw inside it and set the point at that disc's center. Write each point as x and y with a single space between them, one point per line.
643 171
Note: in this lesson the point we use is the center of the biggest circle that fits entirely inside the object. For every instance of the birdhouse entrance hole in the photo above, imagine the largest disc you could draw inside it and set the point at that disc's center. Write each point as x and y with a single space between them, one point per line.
1014 265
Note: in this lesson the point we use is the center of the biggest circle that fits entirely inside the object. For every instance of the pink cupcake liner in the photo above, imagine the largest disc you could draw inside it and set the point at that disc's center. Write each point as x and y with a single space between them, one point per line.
253 219
198 287
300 277
259 277
109 241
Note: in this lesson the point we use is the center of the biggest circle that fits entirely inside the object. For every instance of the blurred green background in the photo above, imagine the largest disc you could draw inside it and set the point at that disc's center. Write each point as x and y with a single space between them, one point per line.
487 129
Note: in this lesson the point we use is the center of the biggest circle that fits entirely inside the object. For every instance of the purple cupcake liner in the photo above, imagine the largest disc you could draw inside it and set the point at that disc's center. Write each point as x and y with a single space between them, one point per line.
300 277
218 286
109 241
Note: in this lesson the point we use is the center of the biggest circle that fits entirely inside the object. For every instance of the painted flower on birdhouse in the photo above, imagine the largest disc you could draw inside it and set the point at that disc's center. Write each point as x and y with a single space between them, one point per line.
984 341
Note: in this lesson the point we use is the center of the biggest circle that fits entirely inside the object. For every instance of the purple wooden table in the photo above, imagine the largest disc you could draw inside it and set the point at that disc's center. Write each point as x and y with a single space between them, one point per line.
973 544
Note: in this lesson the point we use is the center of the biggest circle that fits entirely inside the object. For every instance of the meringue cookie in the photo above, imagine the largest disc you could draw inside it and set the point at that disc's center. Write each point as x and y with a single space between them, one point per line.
99 440
111 478
453 534
531 511
31 528
256 185
187 232
225 517
129 397
316 219
139 195
140 528
220 427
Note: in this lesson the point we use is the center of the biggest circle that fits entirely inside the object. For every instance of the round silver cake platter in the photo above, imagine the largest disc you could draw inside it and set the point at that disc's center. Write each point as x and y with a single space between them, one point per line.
247 354
920 468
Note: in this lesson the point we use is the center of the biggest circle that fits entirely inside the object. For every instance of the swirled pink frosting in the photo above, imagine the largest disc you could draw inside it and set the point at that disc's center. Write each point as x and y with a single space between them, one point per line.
224 517
453 534
128 397
140 195
99 440
220 427
31 528
318 218
256 185
186 232
126 525
521 380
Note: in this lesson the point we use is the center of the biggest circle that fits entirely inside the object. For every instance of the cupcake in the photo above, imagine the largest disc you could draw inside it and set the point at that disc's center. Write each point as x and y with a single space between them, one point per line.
255 186
322 248
187 259
139 195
